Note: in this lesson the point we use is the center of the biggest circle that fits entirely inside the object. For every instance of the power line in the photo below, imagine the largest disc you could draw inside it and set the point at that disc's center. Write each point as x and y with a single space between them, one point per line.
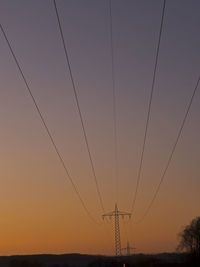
78 105
45 126
114 103
149 107
172 152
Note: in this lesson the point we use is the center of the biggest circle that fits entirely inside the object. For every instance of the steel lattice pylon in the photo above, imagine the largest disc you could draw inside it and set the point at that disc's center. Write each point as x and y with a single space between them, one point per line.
116 214
128 249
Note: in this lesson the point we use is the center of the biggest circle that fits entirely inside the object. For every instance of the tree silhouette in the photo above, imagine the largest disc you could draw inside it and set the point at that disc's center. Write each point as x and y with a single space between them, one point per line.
190 238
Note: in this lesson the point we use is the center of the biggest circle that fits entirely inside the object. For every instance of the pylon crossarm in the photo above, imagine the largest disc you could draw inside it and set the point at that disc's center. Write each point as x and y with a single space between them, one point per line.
123 213
108 214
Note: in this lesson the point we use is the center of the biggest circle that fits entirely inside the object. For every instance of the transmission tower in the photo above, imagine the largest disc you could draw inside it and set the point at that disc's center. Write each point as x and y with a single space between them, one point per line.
128 249
116 214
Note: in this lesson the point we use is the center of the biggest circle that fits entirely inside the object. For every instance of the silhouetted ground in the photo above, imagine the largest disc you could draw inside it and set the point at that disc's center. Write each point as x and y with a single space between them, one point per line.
78 260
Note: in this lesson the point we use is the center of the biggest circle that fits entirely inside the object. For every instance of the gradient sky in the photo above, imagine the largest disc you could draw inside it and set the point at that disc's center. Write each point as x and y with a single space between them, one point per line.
40 213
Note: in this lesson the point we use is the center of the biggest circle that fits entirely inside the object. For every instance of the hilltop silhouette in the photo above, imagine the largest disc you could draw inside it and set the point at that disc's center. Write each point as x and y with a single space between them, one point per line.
79 260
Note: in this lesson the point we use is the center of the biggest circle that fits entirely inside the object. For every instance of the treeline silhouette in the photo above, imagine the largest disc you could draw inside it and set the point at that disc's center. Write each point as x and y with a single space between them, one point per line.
147 261
26 263
183 260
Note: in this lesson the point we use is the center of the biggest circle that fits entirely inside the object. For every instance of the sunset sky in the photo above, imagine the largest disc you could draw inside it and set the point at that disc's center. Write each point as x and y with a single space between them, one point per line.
40 213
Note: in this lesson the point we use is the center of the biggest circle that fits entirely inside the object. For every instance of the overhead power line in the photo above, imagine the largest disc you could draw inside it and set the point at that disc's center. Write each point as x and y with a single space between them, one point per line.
114 103
149 108
45 126
78 106
172 152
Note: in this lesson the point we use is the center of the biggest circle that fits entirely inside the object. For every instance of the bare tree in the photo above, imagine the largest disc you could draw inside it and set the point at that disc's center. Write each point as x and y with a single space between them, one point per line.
190 238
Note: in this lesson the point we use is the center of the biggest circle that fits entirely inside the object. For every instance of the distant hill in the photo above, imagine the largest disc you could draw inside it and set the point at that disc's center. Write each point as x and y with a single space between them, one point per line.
79 260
